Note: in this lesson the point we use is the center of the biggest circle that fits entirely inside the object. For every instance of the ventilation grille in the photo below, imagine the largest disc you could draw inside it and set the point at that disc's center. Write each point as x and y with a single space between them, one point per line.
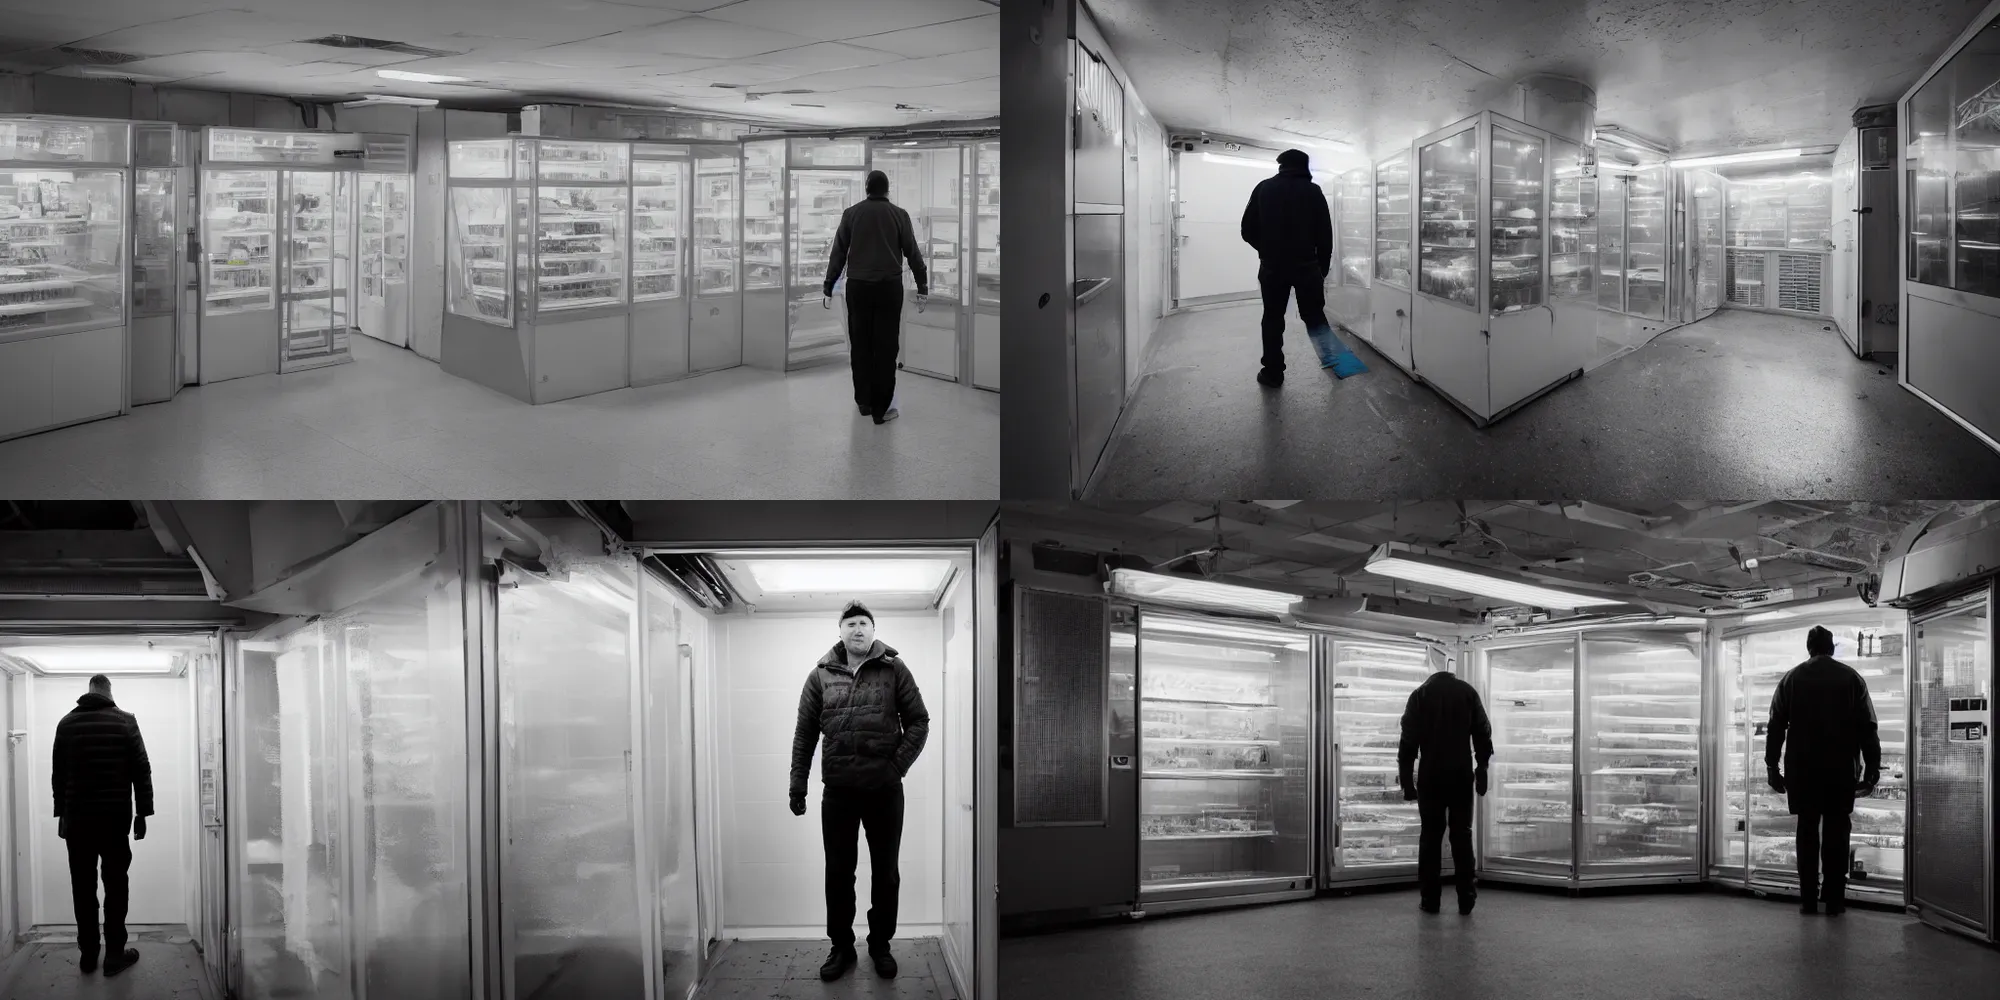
1061 685
1746 277
1798 281
378 44
387 154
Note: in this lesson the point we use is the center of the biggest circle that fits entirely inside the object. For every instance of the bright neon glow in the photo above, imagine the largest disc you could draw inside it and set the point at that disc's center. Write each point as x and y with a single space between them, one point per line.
400 74
860 576
1435 572
1200 593
110 659
1240 161
1709 161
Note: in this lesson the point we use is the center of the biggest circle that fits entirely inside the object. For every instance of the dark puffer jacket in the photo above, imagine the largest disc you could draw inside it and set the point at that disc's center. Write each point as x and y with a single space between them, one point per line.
872 720
1288 222
1823 729
100 763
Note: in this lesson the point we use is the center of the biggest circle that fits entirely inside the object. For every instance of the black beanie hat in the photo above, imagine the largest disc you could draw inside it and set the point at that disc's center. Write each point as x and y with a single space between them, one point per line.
856 608
1293 158
1819 640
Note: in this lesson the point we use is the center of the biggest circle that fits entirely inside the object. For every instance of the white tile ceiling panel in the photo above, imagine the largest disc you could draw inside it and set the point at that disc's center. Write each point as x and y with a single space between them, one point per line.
937 39
838 19
910 72
742 73
237 65
210 32
594 56
546 21
702 36
822 57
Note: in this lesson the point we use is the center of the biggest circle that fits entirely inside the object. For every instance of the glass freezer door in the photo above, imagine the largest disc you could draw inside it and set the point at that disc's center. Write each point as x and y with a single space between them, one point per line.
1225 716
1369 684
1640 754
318 268
1530 795
1950 816
819 197
238 241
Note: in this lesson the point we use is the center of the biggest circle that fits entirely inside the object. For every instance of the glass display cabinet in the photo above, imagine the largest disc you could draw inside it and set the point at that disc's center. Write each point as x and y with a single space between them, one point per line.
1486 333
64 298
715 330
823 177
986 267
159 202
765 302
383 282
278 247
1596 736
1351 197
1780 234
1952 871
931 182
794 191
1226 785
1372 836
538 242
1752 840
662 176
1389 295
1632 257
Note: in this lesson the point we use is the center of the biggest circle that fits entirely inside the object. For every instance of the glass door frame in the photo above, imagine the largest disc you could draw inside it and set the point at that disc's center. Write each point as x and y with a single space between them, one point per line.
791 166
1980 597
282 251
968 220
1326 731
1692 870
1482 680
1479 128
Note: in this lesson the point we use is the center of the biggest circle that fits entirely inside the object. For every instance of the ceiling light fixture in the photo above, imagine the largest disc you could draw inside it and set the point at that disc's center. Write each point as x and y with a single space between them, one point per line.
1189 592
861 576
400 74
375 100
1239 161
1618 135
1398 561
109 659
1218 630
1710 161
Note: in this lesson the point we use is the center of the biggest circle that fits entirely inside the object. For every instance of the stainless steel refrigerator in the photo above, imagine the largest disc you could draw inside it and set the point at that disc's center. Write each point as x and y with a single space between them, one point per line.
1370 831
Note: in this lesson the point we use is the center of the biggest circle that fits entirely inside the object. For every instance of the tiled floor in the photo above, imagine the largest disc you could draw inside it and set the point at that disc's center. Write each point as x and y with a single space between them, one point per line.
169 969
789 970
394 425
1739 404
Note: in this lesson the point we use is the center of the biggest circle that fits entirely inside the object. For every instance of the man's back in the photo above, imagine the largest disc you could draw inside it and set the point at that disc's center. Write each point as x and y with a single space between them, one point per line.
1823 719
1445 727
1288 221
874 241
99 761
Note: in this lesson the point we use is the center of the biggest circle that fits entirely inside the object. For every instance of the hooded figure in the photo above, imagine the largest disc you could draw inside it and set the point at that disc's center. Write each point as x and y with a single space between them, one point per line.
104 790
1288 222
1448 740
1822 728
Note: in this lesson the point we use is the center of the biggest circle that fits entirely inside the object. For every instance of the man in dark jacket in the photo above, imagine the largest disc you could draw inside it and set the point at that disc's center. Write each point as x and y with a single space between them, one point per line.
1287 221
1823 729
100 767
874 239
1441 723
863 703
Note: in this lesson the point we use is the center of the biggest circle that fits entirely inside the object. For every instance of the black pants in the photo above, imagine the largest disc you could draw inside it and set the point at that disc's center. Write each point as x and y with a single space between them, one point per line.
843 813
92 840
874 333
1444 804
1279 282
1823 844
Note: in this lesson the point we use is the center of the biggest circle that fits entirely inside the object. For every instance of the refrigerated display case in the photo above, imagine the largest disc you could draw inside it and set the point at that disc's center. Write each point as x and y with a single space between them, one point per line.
986 266
159 203
64 300
384 281
1390 305
1448 218
1351 198
824 177
715 329
932 181
1226 785
766 337
1952 863
1632 254
1753 832
661 177
1596 736
538 241
1372 834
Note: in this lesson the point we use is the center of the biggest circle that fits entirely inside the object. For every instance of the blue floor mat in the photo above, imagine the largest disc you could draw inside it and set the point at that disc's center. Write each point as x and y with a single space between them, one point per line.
1334 354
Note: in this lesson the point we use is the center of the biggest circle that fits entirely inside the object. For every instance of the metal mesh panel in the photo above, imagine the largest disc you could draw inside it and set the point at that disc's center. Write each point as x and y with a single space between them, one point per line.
1746 277
1061 686
1799 281
1948 800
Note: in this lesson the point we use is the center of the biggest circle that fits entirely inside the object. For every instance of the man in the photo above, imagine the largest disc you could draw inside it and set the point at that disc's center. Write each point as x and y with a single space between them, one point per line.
1823 729
1441 722
863 702
100 767
877 235
1287 221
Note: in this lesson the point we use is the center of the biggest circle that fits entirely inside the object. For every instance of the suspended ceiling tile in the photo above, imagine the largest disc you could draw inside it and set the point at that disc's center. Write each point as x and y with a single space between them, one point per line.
592 56
838 19
238 66
214 31
741 73
937 39
821 57
706 37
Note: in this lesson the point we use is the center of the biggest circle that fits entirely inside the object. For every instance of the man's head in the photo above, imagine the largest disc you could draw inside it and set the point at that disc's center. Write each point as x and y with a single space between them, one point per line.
857 628
1296 159
1819 642
878 183
100 684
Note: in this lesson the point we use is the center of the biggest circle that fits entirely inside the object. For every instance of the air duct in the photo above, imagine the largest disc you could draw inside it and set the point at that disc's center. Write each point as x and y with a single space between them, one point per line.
1556 104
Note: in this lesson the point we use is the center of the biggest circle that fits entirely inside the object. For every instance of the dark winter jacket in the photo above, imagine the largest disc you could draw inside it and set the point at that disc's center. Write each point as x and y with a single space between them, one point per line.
100 764
872 721
1288 222
1441 722
874 239
1823 729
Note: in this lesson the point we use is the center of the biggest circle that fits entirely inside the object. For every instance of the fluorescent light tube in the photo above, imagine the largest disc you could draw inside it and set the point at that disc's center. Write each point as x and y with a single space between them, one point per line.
1200 593
400 74
1768 616
120 659
869 576
1218 630
413 102
1240 161
1442 573
1709 161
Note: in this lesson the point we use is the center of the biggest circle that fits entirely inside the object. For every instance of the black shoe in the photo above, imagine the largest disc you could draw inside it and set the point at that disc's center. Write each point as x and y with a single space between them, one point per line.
837 964
1808 907
885 963
1835 909
864 409
1270 379
1429 906
88 963
118 964
1465 903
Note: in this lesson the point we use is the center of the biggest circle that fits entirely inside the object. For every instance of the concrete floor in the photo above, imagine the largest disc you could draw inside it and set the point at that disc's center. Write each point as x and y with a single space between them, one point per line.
394 425
789 970
1515 944
169 968
1739 404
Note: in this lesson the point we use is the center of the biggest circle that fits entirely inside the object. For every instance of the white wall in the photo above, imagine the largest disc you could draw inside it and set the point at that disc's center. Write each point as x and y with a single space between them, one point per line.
773 863
1147 231
1215 260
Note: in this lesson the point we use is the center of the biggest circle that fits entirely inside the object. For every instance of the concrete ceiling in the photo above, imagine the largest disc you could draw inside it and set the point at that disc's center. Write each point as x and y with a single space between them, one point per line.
1364 76
814 62
1680 552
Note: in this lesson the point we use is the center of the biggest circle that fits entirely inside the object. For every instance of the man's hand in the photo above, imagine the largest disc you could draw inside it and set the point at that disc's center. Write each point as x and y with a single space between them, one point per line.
1868 780
62 827
1479 781
138 828
1409 789
922 297
826 301
798 805
1777 780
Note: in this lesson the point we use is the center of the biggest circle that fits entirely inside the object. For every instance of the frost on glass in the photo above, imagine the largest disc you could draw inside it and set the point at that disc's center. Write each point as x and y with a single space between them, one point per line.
669 733
569 878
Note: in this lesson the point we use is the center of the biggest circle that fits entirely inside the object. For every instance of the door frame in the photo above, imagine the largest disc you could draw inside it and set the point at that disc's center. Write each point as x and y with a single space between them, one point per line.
1982 926
1327 732
968 153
